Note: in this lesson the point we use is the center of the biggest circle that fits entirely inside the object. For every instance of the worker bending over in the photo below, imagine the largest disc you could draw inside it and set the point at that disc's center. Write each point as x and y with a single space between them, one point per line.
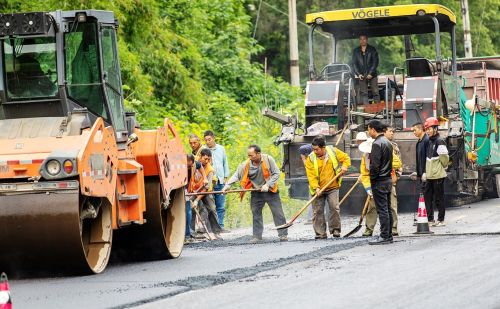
205 204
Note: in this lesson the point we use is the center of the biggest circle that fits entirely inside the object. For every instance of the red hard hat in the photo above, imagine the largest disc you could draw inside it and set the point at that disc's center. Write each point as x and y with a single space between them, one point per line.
431 122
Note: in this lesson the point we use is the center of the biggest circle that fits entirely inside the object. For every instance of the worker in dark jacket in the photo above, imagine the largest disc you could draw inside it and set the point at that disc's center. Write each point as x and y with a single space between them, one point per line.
365 63
420 160
380 179
421 153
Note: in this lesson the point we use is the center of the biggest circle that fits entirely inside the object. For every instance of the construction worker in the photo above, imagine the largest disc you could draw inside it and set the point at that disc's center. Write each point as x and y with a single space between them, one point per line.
435 171
365 63
380 167
420 159
365 145
397 171
196 146
305 151
196 179
221 166
205 204
371 214
260 171
324 163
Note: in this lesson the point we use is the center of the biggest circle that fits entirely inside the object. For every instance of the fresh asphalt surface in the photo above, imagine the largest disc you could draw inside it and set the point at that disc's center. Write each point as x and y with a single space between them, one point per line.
457 267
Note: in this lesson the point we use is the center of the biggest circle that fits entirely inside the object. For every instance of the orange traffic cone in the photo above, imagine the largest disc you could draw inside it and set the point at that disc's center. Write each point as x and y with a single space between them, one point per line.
5 301
422 222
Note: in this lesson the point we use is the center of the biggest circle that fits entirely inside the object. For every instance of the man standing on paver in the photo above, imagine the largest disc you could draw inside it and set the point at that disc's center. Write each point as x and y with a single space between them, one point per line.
324 163
221 166
365 63
435 171
260 171
380 179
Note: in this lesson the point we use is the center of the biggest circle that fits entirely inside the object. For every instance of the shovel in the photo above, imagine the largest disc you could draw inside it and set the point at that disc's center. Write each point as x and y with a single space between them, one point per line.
363 213
202 223
287 225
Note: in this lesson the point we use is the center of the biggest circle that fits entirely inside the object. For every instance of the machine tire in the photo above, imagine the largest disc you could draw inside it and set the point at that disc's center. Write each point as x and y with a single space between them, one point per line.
161 236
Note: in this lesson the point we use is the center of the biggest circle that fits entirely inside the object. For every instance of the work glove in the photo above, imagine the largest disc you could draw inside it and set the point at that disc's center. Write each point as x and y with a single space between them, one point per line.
424 177
413 176
317 191
194 204
226 187
360 177
369 192
264 188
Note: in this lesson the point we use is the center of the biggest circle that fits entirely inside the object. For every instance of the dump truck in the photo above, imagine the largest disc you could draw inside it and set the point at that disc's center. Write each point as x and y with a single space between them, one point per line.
77 174
463 93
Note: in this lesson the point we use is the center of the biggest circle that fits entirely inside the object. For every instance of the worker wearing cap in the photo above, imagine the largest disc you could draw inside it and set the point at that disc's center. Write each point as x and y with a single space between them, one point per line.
435 171
261 172
365 145
324 163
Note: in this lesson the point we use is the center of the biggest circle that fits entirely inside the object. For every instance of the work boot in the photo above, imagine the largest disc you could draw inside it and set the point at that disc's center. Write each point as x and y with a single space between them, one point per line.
283 238
256 240
367 233
336 233
323 236
395 233
381 241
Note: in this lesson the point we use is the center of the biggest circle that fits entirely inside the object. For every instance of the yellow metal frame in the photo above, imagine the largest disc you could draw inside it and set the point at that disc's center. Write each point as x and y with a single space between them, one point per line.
392 11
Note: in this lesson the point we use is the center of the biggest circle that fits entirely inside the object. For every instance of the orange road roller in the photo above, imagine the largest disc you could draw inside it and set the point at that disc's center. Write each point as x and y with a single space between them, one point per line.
77 174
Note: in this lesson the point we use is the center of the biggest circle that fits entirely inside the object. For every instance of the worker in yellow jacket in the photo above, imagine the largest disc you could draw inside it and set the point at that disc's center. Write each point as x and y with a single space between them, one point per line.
371 214
324 163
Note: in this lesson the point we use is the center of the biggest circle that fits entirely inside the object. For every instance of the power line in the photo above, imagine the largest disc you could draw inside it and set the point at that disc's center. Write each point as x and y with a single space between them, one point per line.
286 14
257 20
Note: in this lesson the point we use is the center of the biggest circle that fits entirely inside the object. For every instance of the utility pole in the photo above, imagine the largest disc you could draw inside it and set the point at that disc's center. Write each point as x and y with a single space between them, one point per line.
294 44
466 23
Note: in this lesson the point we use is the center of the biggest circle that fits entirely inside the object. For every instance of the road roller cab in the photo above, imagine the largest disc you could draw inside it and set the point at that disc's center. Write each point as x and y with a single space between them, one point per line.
75 168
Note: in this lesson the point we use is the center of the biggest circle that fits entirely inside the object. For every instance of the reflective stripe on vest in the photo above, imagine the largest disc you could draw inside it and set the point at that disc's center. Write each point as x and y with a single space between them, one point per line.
194 186
335 164
245 180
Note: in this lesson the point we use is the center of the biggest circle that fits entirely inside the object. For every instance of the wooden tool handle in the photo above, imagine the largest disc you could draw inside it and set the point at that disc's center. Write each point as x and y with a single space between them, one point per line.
349 192
365 208
314 197
221 192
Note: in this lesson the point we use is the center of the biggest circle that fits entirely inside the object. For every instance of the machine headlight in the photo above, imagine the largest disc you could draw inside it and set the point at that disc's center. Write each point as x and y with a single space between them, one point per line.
53 167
